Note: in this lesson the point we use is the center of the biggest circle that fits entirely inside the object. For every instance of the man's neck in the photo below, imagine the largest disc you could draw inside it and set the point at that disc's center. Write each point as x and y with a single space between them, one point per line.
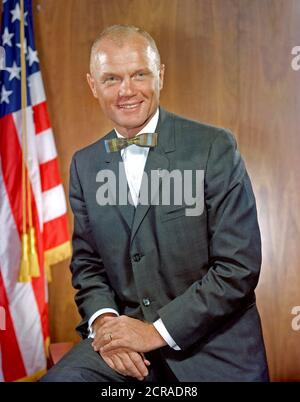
149 126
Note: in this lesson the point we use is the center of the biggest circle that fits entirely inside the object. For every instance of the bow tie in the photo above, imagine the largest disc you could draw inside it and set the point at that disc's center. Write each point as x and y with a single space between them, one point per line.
142 140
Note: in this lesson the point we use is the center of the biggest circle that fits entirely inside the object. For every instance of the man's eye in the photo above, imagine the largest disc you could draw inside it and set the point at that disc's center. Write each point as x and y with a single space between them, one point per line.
140 75
110 79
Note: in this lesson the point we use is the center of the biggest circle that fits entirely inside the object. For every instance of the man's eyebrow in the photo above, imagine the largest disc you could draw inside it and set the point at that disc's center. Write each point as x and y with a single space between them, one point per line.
139 70
144 70
107 73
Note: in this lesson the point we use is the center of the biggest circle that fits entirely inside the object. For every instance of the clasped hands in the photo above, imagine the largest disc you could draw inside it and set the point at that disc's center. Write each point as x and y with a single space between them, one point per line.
122 341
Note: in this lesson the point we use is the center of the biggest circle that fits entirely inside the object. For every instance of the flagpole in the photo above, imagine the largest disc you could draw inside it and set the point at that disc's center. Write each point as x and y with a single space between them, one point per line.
29 262
24 268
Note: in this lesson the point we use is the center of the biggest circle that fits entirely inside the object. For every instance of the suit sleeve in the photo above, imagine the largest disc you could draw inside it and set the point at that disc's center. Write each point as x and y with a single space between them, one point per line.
234 251
88 273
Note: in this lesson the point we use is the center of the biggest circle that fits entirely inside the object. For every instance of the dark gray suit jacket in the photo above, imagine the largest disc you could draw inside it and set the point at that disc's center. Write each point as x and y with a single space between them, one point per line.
196 273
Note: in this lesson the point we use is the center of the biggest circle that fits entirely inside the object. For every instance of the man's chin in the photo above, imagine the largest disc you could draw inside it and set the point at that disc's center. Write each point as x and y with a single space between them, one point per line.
131 125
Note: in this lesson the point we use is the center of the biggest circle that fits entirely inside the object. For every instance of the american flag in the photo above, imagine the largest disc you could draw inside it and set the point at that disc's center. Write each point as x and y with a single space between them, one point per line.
25 335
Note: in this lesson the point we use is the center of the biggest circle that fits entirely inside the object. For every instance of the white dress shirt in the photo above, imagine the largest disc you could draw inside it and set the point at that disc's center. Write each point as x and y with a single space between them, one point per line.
134 158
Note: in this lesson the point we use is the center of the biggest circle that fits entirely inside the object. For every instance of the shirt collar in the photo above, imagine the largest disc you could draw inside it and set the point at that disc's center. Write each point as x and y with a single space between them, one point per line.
149 128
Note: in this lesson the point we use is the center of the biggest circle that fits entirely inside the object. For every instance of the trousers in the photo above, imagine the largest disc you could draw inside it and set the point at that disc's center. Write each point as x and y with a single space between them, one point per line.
83 364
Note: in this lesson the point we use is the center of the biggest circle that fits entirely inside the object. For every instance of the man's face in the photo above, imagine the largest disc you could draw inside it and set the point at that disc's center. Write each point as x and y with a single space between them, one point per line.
127 83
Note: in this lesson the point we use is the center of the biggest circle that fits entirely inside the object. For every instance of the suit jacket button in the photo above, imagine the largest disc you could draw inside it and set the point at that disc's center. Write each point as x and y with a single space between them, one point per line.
136 257
146 302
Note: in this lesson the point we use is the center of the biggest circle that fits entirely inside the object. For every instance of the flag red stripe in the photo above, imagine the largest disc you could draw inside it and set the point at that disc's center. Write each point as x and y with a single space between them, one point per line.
56 232
12 361
11 156
41 117
49 173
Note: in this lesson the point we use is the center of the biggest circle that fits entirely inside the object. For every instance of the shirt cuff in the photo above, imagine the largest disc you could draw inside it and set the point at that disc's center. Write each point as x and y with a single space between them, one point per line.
160 327
97 314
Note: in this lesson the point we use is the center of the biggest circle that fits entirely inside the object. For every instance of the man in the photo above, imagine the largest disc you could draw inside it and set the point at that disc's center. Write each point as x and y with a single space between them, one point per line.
165 291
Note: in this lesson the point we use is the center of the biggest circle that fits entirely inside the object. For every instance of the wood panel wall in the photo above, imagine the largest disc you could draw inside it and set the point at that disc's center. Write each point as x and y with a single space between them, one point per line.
227 63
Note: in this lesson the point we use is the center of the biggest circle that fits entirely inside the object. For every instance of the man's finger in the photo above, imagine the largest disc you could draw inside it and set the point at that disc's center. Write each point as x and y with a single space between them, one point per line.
118 364
107 329
111 364
134 367
114 344
146 361
138 361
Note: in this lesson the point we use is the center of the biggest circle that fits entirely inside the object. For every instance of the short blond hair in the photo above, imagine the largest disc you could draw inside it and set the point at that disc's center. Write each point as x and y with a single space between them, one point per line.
118 34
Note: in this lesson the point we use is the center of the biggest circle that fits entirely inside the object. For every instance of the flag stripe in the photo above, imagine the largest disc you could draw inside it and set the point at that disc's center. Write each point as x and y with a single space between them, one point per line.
56 232
11 358
41 117
37 92
54 203
49 173
33 165
20 296
45 146
11 156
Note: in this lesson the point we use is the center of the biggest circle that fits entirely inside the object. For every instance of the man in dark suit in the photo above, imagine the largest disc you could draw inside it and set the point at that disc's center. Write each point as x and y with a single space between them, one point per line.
165 282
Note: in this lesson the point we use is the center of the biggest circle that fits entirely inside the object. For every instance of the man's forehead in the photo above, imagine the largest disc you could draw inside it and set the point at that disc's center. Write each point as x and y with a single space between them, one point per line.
121 59
129 55
113 49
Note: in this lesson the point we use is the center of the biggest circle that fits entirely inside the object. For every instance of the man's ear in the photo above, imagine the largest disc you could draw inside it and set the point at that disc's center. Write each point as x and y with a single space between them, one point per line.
91 83
161 76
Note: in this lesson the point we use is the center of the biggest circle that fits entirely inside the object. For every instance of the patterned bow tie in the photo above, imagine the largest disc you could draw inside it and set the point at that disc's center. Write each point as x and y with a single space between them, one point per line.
142 140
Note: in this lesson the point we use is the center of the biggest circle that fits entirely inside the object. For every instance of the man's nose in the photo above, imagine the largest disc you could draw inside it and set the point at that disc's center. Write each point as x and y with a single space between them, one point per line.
126 87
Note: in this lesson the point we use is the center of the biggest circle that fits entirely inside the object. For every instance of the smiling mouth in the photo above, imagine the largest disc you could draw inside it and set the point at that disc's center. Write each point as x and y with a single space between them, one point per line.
129 106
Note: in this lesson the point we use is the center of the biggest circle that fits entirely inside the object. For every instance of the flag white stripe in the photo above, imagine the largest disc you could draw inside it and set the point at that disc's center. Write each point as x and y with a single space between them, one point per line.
54 203
22 303
33 163
32 158
45 146
36 86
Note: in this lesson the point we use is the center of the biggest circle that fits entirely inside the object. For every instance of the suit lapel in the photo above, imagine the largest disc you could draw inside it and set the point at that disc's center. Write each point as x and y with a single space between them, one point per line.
157 159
